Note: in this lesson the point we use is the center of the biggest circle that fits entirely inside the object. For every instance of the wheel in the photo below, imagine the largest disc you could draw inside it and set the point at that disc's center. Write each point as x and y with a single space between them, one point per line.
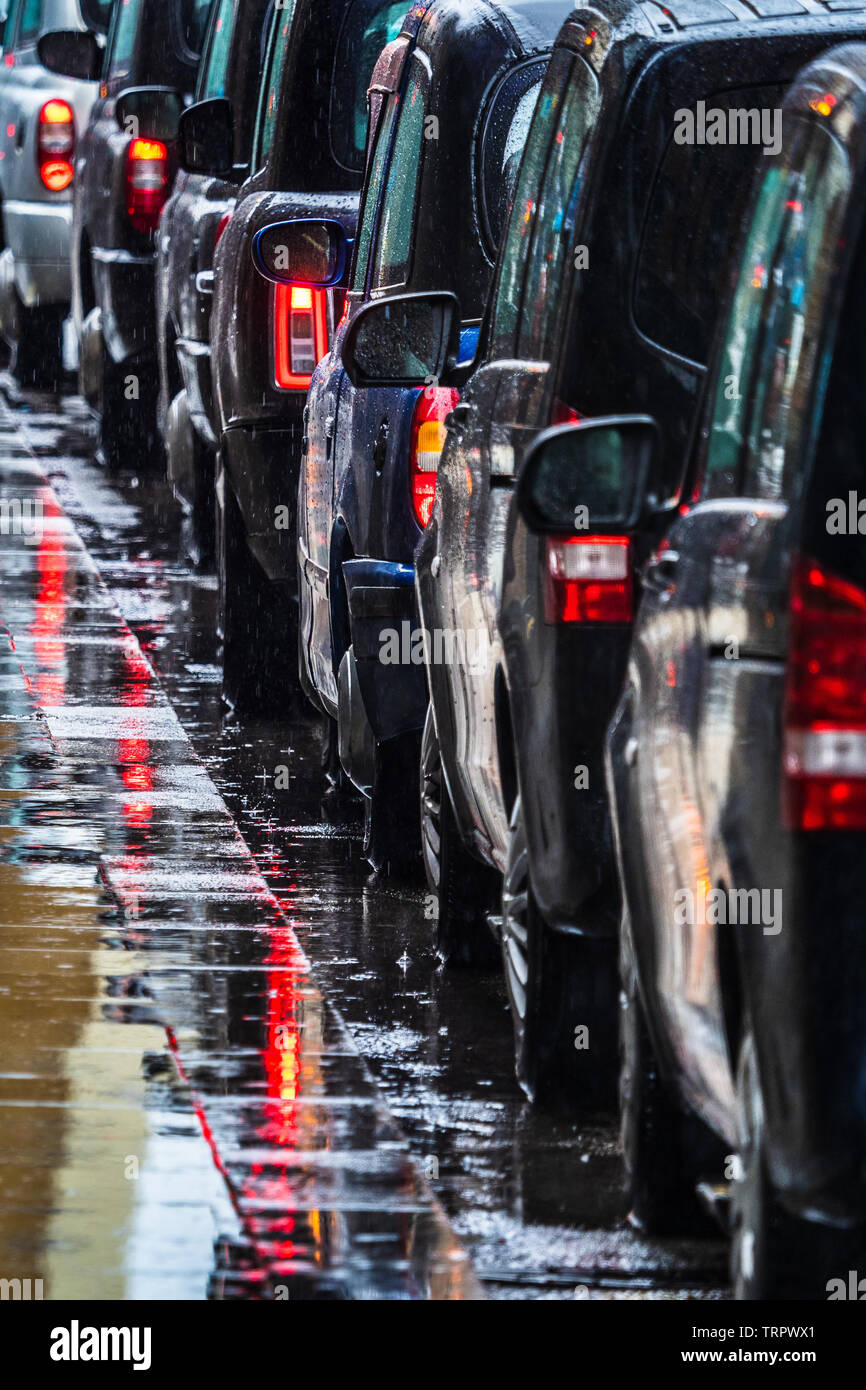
557 984
258 623
128 433
463 889
665 1151
775 1254
392 832
39 349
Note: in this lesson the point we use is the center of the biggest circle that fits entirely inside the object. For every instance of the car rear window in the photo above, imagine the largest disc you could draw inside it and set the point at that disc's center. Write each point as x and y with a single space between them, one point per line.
397 220
541 221
278 46
368 26
506 128
97 14
213 75
193 23
121 44
698 200
31 22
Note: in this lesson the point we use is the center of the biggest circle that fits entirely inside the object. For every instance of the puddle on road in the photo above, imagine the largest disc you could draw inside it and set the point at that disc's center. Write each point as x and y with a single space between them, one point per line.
537 1199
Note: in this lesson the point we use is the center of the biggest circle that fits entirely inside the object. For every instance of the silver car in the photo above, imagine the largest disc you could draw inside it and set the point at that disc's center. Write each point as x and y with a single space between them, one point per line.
41 116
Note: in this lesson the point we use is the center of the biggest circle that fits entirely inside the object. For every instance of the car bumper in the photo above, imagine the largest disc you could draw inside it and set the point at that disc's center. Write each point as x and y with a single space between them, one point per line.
262 469
39 237
125 289
390 664
195 366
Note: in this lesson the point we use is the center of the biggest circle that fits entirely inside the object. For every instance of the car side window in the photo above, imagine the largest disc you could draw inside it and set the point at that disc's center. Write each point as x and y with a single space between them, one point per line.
269 96
121 44
213 78
397 220
535 248
762 395
193 15
372 192
367 28
31 23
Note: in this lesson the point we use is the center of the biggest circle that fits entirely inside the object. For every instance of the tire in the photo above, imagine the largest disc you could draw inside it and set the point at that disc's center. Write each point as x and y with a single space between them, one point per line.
191 469
392 829
774 1254
463 889
128 435
258 624
665 1151
556 983
39 350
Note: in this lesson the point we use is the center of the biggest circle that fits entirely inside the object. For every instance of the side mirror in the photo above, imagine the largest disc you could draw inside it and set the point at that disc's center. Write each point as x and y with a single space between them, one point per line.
71 53
303 251
591 476
409 340
152 112
206 137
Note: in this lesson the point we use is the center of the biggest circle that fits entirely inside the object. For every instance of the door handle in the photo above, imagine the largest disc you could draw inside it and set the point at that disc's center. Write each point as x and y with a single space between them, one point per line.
661 572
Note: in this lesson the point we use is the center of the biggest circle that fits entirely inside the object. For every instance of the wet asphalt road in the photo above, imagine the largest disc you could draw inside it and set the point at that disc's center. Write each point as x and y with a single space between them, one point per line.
275 1158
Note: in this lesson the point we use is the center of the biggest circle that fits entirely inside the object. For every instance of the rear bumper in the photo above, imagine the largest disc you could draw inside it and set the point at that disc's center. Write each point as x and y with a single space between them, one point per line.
384 618
125 289
39 236
262 468
194 360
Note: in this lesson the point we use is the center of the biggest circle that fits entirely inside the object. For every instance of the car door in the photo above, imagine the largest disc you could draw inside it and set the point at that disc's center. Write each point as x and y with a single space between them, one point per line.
709 651
460 557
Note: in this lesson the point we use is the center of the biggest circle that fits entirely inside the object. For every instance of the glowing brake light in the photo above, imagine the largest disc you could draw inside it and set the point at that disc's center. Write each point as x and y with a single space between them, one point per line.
55 144
428 440
300 334
146 183
589 580
824 739
221 226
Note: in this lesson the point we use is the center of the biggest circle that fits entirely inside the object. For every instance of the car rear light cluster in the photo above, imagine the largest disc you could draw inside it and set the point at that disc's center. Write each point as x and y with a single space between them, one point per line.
147 183
589 580
824 747
300 334
432 407
55 144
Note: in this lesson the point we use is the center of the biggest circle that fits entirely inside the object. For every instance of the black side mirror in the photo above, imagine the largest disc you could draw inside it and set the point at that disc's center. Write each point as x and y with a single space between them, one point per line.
206 137
409 340
592 476
71 53
303 251
150 112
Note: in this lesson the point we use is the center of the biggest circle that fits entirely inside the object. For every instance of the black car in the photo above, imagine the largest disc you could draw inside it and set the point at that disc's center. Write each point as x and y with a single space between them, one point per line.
124 167
308 158
620 244
737 758
192 219
452 120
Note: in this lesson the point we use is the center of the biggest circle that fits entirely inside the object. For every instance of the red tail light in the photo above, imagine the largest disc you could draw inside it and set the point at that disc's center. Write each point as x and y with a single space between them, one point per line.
428 440
146 183
300 334
589 580
562 414
824 748
55 144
